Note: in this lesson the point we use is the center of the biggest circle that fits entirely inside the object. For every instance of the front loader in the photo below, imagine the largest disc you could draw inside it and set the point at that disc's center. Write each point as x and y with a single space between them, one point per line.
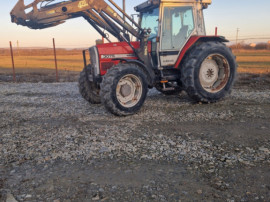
170 50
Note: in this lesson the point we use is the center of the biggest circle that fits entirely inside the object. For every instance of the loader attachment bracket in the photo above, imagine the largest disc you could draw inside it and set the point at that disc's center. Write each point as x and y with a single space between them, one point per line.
42 14
21 15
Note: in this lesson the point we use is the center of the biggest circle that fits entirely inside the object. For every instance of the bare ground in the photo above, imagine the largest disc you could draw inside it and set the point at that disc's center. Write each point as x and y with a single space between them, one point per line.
37 75
245 80
57 147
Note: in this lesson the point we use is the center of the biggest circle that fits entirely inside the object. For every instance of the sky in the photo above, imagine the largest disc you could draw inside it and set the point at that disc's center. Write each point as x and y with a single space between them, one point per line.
250 16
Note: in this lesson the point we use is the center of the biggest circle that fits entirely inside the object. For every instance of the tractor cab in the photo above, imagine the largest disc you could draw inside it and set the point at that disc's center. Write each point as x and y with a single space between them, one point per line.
172 23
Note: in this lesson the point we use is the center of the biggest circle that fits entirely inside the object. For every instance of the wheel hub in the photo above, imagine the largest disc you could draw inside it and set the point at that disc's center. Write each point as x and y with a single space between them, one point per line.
129 90
125 90
208 73
214 73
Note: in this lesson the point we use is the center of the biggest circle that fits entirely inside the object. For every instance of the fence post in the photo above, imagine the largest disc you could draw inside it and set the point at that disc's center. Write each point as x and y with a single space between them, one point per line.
12 59
55 60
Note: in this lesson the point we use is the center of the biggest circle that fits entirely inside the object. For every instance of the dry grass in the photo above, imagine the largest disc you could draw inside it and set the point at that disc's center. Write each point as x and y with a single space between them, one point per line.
69 62
34 65
37 60
253 61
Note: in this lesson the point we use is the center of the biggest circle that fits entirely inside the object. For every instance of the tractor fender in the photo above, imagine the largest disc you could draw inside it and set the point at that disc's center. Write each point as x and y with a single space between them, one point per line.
193 41
149 72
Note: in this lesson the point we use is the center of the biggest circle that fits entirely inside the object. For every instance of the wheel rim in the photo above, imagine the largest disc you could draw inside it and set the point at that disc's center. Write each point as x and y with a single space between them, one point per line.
129 90
214 73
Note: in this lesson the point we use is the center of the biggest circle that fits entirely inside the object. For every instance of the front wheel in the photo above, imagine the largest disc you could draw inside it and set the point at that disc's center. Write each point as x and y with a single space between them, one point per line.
208 72
88 89
124 89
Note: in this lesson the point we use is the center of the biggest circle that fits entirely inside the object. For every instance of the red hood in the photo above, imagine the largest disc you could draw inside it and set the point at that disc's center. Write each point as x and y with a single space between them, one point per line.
109 51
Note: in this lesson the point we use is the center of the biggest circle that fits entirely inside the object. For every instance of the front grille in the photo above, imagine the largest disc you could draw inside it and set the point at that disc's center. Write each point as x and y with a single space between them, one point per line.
106 65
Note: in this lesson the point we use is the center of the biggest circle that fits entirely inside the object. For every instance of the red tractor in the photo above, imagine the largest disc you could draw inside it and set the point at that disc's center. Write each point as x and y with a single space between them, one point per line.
171 51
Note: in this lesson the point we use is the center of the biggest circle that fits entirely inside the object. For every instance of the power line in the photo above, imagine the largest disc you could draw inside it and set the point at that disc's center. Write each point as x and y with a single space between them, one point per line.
266 38
263 35
255 35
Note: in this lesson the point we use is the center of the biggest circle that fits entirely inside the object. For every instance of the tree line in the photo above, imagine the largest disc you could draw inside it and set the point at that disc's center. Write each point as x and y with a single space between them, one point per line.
245 46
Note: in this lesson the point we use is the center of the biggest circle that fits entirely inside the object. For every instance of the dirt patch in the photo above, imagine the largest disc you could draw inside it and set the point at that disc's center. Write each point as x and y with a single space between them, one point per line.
47 76
244 80
254 81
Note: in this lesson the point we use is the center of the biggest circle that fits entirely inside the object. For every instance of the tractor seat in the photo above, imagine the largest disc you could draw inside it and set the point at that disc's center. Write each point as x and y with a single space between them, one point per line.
181 37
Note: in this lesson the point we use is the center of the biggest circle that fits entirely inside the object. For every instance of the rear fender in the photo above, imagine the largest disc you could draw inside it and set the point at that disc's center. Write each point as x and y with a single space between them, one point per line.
192 42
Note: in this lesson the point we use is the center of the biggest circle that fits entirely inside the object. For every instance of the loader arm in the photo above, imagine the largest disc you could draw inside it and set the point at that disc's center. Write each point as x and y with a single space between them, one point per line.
48 13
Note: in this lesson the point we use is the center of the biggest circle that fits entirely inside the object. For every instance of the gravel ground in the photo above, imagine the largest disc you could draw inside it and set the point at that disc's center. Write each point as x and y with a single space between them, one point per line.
57 147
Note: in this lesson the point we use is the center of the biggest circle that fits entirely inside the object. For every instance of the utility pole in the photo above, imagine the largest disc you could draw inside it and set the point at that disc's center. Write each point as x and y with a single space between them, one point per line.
237 34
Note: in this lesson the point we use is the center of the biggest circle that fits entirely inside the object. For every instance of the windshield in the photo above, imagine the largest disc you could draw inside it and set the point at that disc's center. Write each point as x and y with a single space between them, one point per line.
150 20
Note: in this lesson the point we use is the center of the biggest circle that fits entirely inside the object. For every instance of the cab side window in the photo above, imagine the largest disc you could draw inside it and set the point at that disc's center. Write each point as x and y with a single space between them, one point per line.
177 26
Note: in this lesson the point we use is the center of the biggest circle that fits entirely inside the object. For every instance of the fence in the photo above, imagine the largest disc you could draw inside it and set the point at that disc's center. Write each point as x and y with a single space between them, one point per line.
40 64
59 65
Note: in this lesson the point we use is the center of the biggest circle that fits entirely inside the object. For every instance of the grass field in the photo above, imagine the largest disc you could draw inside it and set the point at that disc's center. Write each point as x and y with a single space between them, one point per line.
37 63
34 61
253 61
70 62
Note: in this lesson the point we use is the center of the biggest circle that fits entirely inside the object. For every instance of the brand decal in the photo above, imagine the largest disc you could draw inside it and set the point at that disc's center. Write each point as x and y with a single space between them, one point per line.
167 61
82 4
117 56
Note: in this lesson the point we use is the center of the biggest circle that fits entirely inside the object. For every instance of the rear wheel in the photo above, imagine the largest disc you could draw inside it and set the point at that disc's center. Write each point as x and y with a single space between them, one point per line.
208 72
124 89
88 89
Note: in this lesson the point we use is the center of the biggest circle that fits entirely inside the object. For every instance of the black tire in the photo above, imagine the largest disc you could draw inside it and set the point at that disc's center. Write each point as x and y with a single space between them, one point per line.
176 91
191 71
89 90
109 84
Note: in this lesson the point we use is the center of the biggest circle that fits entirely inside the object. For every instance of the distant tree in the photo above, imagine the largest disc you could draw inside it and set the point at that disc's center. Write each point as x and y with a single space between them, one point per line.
247 47
240 45
261 46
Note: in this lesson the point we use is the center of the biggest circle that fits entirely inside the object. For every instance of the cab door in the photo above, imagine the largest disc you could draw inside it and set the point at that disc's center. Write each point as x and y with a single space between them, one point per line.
176 28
